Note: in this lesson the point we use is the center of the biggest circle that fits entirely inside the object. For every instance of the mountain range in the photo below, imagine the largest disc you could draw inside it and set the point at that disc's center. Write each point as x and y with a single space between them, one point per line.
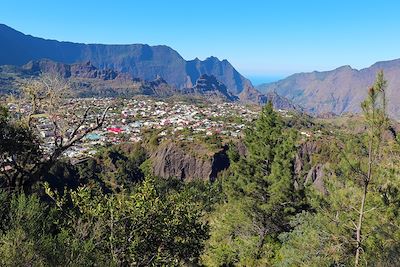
140 60
107 70
86 80
340 90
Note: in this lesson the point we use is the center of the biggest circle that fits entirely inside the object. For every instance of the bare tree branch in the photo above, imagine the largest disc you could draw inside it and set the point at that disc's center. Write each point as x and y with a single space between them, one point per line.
83 120
77 137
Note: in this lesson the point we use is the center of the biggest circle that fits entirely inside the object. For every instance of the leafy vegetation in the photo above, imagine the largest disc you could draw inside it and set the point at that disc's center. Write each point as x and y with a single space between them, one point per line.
331 199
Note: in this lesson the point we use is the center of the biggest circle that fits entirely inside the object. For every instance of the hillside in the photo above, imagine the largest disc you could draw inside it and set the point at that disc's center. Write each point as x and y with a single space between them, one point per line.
139 60
339 91
87 80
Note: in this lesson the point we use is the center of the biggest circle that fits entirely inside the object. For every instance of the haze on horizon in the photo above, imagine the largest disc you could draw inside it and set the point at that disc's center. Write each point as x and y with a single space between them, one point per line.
264 40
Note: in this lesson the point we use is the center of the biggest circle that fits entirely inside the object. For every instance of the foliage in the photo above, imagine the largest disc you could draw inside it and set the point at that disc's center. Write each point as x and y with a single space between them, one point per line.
261 197
111 211
19 152
143 228
325 236
359 214
118 167
25 231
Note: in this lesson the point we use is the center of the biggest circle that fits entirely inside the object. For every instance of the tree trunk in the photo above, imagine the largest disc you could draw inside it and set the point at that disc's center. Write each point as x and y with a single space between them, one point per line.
359 225
363 200
261 242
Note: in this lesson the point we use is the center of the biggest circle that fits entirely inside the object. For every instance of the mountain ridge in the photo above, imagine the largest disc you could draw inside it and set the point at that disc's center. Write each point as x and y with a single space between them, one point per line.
340 90
140 60
87 80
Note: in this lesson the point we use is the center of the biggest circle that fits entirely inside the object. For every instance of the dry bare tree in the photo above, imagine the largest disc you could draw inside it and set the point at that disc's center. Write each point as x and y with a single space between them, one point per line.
47 96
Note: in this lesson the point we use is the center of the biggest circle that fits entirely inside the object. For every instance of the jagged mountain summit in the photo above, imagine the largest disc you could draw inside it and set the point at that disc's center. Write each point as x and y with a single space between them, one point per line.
210 87
338 91
88 80
139 60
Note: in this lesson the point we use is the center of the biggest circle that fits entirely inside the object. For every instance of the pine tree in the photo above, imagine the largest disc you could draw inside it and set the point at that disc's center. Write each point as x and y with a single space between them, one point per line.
374 109
261 189
270 187
356 221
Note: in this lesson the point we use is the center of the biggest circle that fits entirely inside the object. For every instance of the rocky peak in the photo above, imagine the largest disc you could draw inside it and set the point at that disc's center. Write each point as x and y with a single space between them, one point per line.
158 81
209 82
35 67
209 85
280 102
77 70
250 94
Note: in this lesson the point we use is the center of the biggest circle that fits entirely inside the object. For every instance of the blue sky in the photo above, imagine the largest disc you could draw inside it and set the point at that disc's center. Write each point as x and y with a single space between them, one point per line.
264 40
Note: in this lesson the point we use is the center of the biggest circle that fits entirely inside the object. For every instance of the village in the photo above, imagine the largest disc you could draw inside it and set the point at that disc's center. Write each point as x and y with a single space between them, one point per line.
127 120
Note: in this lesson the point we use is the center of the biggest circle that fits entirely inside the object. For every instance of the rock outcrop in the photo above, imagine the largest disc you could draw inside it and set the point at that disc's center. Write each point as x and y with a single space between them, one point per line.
306 170
77 70
171 160
316 177
211 88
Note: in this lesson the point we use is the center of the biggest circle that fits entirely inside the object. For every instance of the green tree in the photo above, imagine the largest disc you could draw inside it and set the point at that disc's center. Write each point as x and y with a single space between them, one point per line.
325 235
374 108
142 228
356 221
261 189
19 153
26 231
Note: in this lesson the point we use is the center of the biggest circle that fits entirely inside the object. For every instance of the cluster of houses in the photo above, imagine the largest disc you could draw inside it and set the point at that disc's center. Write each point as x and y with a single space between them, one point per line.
176 119
128 119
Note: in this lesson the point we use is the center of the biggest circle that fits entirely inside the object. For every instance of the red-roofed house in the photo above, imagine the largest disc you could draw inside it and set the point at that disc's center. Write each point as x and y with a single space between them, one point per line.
114 130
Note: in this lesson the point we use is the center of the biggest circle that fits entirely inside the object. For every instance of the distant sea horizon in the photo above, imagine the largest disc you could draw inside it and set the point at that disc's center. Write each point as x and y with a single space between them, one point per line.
261 79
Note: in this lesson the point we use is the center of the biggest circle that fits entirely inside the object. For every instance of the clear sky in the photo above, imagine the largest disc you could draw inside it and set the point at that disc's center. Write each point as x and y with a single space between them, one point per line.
263 39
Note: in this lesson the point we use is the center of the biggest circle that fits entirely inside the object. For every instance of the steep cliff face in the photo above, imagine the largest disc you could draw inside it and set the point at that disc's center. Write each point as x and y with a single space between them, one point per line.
170 160
92 81
223 71
77 70
139 60
85 79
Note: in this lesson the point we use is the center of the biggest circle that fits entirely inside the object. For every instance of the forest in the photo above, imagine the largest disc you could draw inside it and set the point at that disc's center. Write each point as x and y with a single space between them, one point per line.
111 210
